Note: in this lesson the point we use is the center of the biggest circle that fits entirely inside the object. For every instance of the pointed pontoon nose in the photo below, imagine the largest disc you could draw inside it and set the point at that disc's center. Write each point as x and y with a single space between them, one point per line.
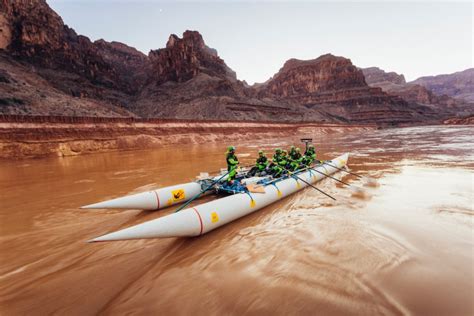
151 200
181 224
145 201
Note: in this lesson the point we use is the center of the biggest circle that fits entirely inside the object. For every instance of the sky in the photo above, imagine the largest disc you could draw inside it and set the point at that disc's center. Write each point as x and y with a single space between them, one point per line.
256 38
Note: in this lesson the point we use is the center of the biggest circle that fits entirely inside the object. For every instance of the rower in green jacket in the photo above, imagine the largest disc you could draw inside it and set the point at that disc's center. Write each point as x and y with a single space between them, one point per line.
276 158
274 167
232 162
306 161
281 164
260 164
310 155
292 152
295 160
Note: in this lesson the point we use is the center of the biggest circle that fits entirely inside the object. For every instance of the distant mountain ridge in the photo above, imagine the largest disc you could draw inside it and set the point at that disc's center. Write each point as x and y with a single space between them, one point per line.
459 85
47 69
395 84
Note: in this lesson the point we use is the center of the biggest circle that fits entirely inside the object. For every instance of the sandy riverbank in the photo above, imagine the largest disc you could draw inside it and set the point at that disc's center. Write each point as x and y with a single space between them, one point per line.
34 137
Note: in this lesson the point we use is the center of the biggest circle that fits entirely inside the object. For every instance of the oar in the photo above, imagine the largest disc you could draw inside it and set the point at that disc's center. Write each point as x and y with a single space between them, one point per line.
283 177
310 184
354 174
200 193
330 177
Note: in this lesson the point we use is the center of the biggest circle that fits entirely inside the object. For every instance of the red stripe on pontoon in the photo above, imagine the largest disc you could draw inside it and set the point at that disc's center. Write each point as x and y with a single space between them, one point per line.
157 200
200 220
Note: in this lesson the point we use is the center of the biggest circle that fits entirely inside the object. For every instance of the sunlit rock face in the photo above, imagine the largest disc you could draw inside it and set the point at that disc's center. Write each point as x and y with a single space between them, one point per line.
184 58
326 73
334 85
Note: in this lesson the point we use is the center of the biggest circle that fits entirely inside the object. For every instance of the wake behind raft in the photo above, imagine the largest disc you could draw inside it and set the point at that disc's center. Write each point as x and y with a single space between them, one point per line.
200 219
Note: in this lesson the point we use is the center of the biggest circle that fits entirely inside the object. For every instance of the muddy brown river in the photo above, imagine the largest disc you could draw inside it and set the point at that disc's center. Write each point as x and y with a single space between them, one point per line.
398 241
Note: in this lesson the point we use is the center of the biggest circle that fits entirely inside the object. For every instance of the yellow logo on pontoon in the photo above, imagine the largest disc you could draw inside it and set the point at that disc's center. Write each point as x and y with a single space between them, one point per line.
214 217
178 195
252 203
298 185
278 193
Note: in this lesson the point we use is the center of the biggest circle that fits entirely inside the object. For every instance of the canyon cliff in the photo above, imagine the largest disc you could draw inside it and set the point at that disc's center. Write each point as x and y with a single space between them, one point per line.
48 69
189 80
395 84
333 85
459 85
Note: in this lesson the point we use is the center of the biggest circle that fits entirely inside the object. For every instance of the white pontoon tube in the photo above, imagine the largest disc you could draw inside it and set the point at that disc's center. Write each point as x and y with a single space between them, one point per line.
153 200
198 220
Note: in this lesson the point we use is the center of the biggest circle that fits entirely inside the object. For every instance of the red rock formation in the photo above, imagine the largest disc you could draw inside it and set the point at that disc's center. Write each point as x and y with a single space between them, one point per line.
376 75
326 73
395 84
184 58
49 69
132 65
40 38
189 80
459 85
67 136
334 86
467 120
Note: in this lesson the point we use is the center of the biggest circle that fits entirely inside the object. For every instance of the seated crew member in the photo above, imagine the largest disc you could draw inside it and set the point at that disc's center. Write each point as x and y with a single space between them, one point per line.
260 164
292 152
232 162
295 160
281 164
274 168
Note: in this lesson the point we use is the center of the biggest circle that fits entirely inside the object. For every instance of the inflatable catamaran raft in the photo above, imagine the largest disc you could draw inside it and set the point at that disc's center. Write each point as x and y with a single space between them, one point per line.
200 219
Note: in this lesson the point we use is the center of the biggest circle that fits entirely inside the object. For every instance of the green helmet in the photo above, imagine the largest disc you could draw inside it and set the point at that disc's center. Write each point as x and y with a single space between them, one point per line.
298 150
310 146
284 152
260 152
278 151
230 148
292 148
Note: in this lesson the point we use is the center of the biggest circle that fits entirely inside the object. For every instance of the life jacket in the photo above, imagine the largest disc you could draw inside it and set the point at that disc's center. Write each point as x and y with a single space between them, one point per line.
232 160
277 158
292 153
262 160
283 161
297 156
